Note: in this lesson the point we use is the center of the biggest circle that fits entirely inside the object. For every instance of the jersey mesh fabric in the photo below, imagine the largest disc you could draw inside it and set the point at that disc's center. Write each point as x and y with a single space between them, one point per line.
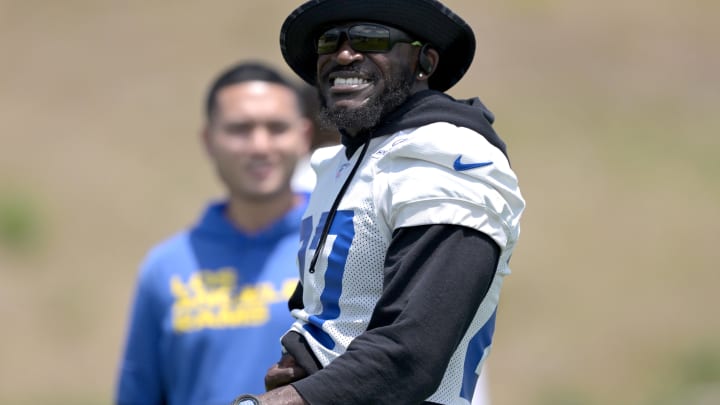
410 178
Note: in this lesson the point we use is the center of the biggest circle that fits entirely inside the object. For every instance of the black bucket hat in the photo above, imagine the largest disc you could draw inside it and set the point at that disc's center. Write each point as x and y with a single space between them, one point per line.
427 20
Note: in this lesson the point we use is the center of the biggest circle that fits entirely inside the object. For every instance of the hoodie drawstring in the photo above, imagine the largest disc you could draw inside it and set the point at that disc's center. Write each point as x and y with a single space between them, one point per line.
334 207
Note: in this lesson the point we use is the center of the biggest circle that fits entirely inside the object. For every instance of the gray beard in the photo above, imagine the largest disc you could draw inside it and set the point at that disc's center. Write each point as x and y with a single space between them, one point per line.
370 114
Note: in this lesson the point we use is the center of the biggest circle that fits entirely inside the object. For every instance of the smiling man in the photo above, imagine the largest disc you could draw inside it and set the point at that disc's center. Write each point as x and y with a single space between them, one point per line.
408 235
211 296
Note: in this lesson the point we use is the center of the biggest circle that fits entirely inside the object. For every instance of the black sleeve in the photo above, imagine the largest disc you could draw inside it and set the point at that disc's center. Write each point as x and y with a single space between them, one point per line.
435 278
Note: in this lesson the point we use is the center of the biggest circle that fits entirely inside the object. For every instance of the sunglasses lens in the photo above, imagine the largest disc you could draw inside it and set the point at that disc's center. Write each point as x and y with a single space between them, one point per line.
363 38
328 42
369 38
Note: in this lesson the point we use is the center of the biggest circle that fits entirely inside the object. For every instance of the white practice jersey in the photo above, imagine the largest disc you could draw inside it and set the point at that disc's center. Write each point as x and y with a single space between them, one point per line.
435 174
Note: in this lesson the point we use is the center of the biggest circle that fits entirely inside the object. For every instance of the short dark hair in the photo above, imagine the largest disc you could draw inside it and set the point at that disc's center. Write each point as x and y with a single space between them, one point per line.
251 71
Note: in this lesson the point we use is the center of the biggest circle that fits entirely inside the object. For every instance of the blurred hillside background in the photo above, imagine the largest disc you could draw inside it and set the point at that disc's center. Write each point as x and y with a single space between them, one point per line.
609 109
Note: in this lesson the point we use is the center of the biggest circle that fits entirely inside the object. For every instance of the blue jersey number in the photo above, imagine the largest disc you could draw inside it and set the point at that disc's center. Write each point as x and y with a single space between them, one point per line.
342 232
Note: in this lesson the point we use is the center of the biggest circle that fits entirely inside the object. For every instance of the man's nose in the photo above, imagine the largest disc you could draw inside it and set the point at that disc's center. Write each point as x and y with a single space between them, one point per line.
260 140
346 55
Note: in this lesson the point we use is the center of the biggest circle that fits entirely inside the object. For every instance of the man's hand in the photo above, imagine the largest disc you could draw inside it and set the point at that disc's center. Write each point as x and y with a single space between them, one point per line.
282 396
284 372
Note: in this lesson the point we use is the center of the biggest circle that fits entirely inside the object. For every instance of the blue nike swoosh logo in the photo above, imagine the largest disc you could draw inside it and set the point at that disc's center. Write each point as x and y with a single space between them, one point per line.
460 166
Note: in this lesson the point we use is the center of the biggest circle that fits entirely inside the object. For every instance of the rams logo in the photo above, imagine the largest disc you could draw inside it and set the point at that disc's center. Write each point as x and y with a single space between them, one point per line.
212 299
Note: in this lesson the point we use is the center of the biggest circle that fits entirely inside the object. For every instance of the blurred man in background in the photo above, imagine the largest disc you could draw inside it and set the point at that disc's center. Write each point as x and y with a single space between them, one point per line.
211 301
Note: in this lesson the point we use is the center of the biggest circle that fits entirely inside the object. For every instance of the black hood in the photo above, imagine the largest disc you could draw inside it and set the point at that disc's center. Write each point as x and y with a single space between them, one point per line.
427 107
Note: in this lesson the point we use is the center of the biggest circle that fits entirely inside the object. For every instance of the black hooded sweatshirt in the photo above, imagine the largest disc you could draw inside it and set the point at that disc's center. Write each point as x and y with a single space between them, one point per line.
435 278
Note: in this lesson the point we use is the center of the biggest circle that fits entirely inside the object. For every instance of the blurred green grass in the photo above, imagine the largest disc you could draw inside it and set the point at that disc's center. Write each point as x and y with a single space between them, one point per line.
21 224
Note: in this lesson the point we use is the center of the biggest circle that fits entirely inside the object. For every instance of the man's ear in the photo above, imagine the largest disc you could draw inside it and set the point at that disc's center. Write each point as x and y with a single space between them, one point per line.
428 59
309 130
205 138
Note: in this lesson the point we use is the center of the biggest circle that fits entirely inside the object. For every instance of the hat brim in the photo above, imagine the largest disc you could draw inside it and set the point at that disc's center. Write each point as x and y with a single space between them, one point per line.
428 20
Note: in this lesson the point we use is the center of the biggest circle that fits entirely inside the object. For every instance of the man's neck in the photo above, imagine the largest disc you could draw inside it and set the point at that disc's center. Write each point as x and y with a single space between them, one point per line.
253 216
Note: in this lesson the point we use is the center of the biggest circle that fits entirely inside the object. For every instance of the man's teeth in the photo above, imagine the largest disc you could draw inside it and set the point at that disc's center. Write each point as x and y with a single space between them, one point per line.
349 81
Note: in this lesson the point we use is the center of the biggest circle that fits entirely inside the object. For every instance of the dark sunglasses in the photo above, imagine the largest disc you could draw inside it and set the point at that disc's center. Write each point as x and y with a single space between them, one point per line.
363 38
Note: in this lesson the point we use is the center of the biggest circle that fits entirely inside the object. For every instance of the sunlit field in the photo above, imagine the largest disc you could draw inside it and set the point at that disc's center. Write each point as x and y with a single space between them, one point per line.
608 110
